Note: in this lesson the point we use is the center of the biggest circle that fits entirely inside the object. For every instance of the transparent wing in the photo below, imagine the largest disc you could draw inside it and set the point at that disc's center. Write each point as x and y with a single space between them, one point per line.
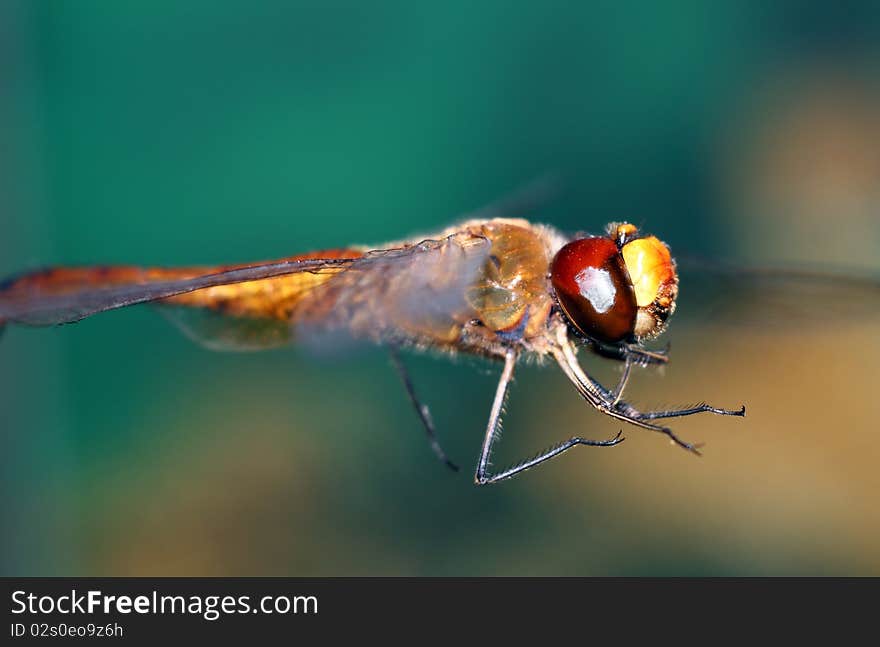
222 332
413 293
410 293
780 299
66 295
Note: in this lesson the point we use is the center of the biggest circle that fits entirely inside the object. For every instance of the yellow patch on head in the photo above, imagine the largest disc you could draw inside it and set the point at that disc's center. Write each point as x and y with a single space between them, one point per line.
650 268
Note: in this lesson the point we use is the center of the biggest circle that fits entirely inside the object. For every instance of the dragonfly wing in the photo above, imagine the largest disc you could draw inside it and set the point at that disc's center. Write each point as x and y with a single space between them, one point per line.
772 298
408 294
66 295
221 332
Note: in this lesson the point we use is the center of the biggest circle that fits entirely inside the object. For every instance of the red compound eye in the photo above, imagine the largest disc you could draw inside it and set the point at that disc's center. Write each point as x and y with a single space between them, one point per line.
594 289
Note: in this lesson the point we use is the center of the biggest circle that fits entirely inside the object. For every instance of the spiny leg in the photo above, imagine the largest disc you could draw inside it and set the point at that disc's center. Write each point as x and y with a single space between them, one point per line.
617 393
679 413
639 355
421 409
646 357
482 475
601 398
634 416
604 400
634 355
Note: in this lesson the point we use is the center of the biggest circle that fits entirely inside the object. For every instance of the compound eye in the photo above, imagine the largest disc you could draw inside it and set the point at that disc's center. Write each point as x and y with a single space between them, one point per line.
594 290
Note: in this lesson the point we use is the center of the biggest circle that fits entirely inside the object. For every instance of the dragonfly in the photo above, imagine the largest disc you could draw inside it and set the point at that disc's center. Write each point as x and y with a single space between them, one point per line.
495 287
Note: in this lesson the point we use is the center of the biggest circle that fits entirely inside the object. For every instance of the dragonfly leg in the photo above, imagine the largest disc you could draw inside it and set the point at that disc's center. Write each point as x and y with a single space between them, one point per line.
617 393
638 356
421 409
632 355
633 352
482 475
645 357
679 413
627 412
609 403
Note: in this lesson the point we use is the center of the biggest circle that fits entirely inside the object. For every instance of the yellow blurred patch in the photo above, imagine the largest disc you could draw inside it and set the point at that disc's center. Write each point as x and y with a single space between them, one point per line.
649 264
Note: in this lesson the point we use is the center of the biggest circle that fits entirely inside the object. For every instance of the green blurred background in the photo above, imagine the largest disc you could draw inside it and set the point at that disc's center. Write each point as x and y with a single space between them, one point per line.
169 133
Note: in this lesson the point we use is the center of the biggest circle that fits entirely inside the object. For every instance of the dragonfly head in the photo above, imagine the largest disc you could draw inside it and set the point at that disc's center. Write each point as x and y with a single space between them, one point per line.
616 288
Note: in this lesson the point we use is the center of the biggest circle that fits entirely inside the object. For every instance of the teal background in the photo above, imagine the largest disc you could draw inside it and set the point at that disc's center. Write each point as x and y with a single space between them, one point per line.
172 133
